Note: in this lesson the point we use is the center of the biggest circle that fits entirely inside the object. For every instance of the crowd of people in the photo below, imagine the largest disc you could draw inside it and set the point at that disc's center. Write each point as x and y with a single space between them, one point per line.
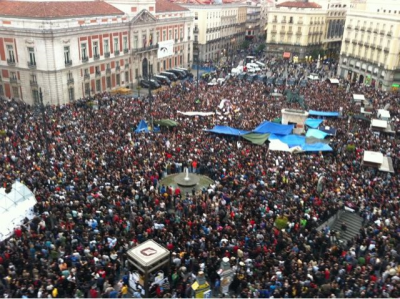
98 191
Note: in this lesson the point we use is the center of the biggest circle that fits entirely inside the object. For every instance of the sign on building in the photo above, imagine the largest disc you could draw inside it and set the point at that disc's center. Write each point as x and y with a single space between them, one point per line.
165 49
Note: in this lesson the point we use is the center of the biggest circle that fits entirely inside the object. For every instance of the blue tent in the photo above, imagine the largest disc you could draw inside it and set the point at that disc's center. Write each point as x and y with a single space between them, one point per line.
316 134
227 131
323 113
273 128
317 147
330 131
313 123
291 140
142 127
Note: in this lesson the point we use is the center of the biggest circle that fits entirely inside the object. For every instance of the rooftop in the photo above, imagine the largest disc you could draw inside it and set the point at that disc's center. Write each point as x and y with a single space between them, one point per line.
59 9
166 6
299 4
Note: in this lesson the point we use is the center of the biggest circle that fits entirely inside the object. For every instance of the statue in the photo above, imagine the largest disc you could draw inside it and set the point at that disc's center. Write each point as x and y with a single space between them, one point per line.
294 97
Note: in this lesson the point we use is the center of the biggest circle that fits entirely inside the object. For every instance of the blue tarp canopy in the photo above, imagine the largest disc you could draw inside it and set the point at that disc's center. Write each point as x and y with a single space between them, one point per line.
273 128
328 130
313 122
323 113
291 140
316 134
142 127
317 147
227 131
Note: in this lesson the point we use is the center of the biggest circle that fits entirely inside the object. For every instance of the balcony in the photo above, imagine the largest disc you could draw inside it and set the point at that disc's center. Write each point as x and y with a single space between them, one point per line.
181 39
96 56
363 28
86 76
14 80
127 65
98 74
188 37
11 62
108 71
116 52
357 27
176 40
144 49
290 32
382 32
282 32
32 65
375 30
311 23
70 81
369 29
300 22
68 62
390 33
379 47
298 33
283 21
347 40
196 30
386 49
117 68
107 54
126 51
349 27
273 31
34 84
85 59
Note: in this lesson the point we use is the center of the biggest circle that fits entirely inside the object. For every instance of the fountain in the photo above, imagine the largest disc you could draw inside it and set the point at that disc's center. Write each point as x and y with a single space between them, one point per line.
186 179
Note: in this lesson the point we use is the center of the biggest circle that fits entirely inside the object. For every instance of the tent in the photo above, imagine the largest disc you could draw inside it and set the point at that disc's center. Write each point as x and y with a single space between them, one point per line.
316 133
273 128
328 130
255 138
291 140
378 160
227 131
383 114
166 123
323 113
14 208
142 127
313 123
359 98
317 147
333 81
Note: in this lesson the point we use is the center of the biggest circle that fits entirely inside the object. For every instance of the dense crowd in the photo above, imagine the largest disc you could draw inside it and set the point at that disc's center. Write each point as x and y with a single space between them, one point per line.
98 192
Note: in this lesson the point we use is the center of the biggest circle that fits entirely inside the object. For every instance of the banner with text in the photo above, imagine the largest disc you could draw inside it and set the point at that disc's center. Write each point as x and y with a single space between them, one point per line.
165 49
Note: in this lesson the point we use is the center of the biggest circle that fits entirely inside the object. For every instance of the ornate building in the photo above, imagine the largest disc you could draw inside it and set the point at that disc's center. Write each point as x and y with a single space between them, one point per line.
72 49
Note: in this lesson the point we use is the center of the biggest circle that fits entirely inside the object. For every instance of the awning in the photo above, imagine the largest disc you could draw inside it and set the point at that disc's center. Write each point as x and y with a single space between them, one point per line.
378 123
334 81
227 131
286 55
316 134
313 123
323 113
255 138
358 97
382 113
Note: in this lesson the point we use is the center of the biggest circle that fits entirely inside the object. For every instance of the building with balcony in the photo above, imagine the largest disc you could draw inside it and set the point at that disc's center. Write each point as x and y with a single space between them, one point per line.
71 49
219 30
253 20
371 45
297 27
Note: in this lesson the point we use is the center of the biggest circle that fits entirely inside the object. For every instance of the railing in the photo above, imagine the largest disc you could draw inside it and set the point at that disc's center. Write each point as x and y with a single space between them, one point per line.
349 27
98 74
126 51
298 33
13 80
85 59
283 21
31 64
11 62
96 56
369 29
357 27
70 81
347 40
107 54
375 30
34 84
386 49
363 28
86 76
144 49
379 47
290 32
382 32
68 63
116 52
300 22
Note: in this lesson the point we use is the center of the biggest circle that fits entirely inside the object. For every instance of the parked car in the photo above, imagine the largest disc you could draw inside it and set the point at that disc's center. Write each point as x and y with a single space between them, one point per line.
162 80
251 78
170 76
179 74
188 73
152 84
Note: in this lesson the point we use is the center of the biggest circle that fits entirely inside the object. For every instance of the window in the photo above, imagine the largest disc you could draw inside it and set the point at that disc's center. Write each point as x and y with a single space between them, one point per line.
33 79
170 34
116 45
157 37
125 43
106 46
176 34
15 91
126 77
35 96
1 90
108 82
10 50
71 94
13 75
87 88
32 60
95 48
98 70
83 51
136 73
164 35
98 86
188 31
118 76
151 39
86 71
135 42
144 40
66 55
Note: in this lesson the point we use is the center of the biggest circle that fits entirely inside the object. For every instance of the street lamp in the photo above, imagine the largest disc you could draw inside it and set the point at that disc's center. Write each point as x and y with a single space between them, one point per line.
149 74
198 65
42 109
138 87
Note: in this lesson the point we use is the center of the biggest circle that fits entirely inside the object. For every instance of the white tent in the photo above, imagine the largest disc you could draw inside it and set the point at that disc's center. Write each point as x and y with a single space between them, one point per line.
14 208
378 160
333 81
358 98
383 114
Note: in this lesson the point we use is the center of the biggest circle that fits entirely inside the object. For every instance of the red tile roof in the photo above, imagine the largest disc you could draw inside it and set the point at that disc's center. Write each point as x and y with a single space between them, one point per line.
167 6
58 9
299 4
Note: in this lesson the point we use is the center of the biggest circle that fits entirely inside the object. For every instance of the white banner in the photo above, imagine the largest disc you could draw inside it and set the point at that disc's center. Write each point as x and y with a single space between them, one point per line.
165 48
195 113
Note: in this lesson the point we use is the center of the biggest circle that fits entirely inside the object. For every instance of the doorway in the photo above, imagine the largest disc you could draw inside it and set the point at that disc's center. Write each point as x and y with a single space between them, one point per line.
145 68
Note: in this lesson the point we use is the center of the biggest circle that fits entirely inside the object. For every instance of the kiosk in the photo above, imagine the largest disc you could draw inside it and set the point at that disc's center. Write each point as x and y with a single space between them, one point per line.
147 259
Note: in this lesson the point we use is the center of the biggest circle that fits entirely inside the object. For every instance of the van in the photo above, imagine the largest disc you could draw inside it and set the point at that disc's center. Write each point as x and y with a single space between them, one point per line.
260 64
163 80
179 74
313 77
170 76
254 66
183 69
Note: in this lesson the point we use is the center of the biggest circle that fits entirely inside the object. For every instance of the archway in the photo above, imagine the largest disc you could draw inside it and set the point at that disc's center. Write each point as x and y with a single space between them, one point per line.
145 68
361 79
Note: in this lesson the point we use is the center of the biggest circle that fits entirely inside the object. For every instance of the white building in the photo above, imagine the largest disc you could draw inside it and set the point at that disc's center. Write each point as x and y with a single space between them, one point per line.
70 49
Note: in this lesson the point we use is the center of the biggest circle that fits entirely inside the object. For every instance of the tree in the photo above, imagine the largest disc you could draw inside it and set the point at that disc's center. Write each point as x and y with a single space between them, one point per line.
245 45
261 47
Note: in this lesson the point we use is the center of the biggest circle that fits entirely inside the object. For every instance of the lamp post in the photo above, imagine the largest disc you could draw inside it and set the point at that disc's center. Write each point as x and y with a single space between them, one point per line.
138 88
44 124
149 74
198 65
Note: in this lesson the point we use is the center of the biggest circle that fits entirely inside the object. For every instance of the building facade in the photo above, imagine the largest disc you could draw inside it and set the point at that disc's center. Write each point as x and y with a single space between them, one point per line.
371 45
73 49
253 20
297 27
219 30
